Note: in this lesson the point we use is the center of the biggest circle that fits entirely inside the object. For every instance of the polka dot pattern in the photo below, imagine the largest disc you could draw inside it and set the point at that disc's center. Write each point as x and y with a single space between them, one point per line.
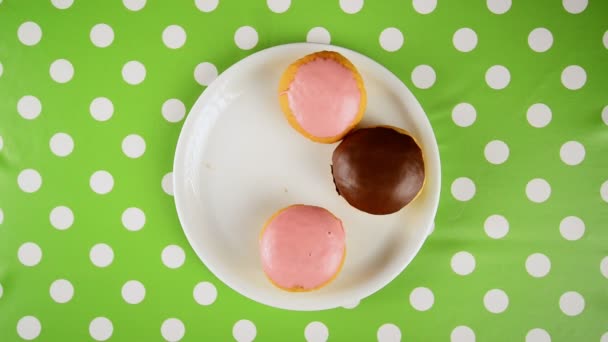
173 256
61 71
246 37
29 328
462 333
572 303
244 331
102 35
391 39
422 298
103 101
173 330
463 189
29 33
388 333
101 329
496 301
316 332
61 291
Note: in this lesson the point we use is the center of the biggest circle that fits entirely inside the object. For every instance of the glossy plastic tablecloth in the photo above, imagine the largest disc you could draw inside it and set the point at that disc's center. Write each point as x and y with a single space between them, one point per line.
92 98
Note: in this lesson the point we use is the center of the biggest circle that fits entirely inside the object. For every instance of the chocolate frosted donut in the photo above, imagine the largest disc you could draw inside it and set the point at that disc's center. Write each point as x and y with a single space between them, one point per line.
378 170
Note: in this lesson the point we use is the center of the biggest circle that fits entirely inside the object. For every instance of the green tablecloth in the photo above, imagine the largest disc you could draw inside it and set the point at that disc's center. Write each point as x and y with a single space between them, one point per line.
92 98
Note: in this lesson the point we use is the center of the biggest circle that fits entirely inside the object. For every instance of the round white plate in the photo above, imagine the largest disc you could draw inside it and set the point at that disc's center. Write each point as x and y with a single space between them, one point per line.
238 161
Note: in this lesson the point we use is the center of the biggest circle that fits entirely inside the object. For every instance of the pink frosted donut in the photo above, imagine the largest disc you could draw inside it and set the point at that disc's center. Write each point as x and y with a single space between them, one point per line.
302 248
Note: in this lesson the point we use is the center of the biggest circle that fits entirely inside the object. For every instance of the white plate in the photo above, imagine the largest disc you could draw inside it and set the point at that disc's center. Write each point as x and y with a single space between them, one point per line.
238 161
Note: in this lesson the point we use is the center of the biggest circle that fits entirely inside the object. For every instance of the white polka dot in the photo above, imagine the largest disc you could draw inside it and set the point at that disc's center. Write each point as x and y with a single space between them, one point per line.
1 291
605 115
278 6
28 327
496 152
29 33
574 77
133 292
133 219
499 6
538 335
167 183
388 333
464 114
205 73
604 267
540 39
498 77
463 263
205 293
352 304
1 216
173 256
572 303
174 110
391 39
496 226
206 5
462 333
62 4
572 228
101 109
29 254
173 330
246 38
423 76
133 146
463 189
351 6
422 298
134 5
539 115
61 291
101 255
318 35
134 72
465 39
538 190
29 180
101 182
174 37
572 153
574 6
102 35
244 331
605 39
1 69
496 301
61 217
538 265
424 6
316 332
29 107
61 144
604 191
101 329
61 71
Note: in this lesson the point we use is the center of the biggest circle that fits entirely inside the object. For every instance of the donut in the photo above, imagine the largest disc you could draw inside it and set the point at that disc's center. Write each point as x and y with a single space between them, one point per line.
302 248
378 170
322 96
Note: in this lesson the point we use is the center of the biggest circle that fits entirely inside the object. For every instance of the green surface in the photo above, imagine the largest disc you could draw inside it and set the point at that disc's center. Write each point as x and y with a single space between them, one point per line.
577 248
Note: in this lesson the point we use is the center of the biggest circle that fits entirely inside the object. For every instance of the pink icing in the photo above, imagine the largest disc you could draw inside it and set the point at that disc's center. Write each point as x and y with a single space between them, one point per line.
324 97
302 247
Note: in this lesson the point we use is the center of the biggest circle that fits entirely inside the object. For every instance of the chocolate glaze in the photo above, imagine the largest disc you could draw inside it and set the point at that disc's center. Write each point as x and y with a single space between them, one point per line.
378 170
